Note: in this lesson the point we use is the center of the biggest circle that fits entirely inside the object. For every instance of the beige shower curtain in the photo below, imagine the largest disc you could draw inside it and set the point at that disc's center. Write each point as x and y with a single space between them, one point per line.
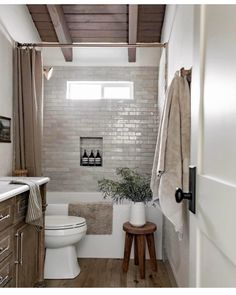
28 110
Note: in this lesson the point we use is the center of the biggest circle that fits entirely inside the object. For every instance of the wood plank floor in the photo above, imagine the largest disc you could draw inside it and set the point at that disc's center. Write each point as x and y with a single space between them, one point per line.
98 273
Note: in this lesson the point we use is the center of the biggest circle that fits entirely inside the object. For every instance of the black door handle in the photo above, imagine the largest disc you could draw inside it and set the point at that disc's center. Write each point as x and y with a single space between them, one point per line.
191 195
180 195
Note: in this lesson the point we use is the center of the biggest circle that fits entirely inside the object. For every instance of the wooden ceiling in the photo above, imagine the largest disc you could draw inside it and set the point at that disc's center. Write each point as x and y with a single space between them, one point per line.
98 23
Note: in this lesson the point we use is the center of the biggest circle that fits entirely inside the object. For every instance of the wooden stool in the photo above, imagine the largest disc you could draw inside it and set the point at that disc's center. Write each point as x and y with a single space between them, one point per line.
139 234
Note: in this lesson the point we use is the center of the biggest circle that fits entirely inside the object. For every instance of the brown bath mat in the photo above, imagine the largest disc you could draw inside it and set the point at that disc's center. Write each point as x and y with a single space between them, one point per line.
98 216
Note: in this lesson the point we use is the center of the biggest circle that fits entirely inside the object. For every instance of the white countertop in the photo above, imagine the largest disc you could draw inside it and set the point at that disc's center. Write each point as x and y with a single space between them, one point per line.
10 190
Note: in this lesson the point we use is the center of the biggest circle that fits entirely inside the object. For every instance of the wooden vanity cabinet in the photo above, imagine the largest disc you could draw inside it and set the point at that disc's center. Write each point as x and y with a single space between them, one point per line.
21 244
26 256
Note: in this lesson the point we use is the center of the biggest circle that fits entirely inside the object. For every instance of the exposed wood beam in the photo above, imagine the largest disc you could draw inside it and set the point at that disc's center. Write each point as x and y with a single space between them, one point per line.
61 29
133 29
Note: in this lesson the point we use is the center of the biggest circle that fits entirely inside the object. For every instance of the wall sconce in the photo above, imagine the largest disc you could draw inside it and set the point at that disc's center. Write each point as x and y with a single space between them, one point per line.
48 72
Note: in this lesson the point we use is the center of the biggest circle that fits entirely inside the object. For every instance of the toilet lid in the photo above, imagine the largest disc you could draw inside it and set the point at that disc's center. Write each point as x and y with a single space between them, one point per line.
63 222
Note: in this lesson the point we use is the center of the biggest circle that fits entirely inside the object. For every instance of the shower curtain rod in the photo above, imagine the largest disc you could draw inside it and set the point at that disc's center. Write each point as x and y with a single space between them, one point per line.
83 44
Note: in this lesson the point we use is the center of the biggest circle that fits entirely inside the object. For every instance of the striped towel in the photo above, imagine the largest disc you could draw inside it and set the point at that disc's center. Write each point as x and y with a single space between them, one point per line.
34 214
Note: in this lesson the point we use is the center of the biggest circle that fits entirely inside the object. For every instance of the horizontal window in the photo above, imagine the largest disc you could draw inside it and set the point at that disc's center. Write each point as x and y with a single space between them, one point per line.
95 90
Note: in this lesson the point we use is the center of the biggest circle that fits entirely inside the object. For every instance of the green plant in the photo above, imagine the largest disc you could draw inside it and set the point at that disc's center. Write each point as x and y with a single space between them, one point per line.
131 186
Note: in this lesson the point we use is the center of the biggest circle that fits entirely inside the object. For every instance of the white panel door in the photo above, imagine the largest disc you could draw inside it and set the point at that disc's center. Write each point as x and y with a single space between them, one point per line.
213 147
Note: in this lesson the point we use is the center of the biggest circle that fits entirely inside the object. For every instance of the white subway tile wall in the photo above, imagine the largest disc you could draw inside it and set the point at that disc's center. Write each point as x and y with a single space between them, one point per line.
128 128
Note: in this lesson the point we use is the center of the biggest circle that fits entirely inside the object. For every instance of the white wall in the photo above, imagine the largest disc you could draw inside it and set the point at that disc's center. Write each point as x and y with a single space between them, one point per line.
6 85
18 22
178 32
102 57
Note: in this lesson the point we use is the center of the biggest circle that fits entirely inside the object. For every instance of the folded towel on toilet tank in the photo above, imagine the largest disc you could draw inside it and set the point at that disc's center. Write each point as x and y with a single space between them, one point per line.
98 216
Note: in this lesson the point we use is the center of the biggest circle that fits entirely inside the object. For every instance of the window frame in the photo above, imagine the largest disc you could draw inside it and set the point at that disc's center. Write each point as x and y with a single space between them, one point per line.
103 84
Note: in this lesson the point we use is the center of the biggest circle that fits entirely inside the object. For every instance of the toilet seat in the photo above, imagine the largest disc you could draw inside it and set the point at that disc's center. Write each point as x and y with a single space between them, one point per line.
63 222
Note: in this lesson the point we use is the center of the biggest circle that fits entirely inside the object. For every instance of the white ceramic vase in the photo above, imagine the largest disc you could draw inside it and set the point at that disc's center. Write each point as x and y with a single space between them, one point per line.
137 214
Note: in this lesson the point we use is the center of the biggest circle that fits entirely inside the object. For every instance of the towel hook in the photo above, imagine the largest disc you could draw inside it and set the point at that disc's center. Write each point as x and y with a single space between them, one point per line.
186 73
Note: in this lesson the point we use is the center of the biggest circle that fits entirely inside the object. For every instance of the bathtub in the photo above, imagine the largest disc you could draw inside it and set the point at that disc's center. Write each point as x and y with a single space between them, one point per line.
104 246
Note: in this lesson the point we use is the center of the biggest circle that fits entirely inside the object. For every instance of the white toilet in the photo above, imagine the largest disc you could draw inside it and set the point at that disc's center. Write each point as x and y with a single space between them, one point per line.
62 233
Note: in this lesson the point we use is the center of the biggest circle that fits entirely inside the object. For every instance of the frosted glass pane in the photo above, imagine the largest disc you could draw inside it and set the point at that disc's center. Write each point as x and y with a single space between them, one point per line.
84 91
90 90
117 92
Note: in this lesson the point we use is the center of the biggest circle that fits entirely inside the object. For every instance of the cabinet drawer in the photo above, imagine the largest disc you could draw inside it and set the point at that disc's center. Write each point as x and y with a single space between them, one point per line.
6 271
6 214
6 243
21 204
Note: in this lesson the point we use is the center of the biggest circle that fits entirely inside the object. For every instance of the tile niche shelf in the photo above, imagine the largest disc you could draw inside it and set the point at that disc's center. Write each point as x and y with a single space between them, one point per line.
89 144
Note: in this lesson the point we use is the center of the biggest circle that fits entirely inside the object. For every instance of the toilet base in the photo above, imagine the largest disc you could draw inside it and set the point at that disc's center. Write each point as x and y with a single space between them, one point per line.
61 263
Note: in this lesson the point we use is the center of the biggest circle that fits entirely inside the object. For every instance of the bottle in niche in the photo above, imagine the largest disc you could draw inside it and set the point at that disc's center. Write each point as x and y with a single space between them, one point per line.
91 159
98 159
85 159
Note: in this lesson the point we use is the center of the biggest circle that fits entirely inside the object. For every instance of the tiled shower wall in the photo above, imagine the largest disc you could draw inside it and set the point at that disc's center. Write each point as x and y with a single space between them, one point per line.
128 127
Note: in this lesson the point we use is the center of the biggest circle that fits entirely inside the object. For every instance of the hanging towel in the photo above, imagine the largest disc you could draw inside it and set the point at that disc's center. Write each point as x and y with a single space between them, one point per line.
34 214
171 160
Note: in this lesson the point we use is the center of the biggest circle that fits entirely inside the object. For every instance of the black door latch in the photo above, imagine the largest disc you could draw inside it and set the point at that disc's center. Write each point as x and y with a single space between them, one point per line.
191 195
